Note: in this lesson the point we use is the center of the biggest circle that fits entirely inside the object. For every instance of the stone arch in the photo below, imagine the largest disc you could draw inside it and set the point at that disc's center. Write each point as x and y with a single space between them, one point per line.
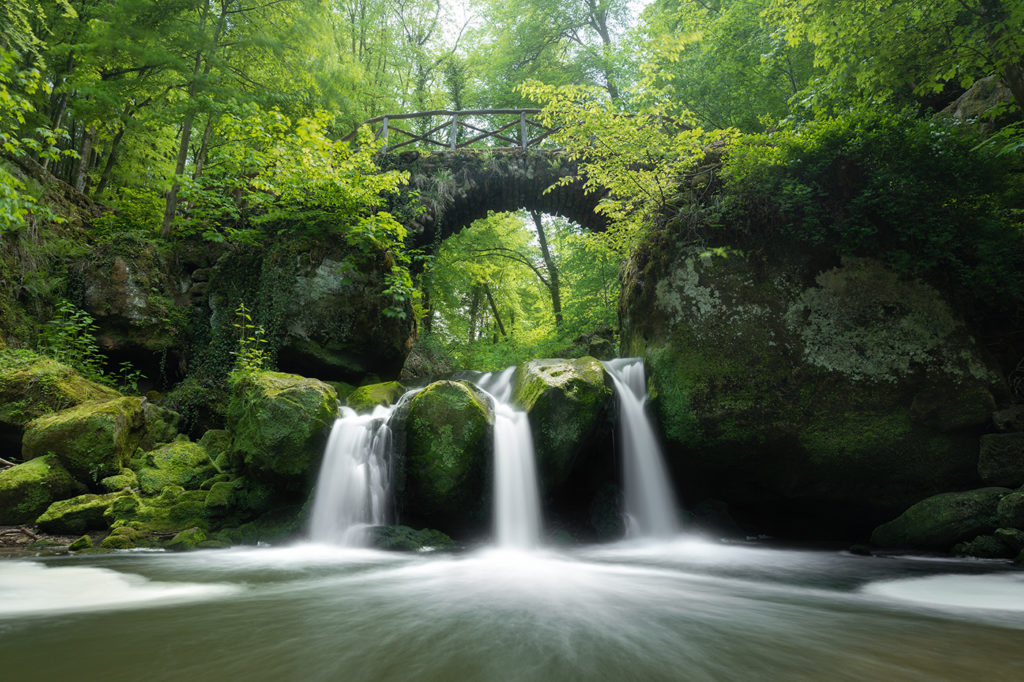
448 190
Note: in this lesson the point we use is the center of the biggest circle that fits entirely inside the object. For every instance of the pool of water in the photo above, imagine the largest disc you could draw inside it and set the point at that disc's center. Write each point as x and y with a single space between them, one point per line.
678 610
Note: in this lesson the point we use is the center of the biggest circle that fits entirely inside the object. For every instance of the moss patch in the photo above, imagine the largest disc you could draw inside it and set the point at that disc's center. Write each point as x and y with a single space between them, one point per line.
180 463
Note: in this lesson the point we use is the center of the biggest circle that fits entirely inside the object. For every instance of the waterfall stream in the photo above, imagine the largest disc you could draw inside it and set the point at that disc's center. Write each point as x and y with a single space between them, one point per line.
354 487
650 504
516 499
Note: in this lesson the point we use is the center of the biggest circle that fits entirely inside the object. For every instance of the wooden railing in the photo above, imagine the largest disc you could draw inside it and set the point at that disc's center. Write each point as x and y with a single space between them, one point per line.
474 128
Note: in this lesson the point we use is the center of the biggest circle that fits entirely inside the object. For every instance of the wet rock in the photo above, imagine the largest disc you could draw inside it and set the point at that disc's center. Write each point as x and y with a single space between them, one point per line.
92 441
26 490
406 539
279 425
448 431
1009 418
1001 459
941 521
984 547
566 402
365 398
426 361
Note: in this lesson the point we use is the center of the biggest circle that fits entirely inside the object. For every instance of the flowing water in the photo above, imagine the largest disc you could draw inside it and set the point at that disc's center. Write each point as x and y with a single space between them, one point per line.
649 502
680 610
354 487
516 500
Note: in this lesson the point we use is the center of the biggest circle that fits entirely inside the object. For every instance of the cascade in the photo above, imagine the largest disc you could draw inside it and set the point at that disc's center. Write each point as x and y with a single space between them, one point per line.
353 490
516 499
650 504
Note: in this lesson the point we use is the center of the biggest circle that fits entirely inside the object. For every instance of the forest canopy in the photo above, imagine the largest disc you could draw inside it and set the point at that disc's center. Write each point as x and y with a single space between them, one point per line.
227 120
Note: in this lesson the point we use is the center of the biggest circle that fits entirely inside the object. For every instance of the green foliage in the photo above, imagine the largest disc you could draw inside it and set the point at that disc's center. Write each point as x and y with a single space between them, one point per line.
635 161
70 338
915 193
251 355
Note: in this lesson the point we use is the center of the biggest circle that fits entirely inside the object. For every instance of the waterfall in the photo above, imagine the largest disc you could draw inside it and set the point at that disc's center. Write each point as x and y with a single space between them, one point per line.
650 504
353 490
516 500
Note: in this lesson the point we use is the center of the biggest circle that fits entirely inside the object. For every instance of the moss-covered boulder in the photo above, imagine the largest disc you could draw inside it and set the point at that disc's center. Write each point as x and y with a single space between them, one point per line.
26 490
815 395
1011 510
186 540
179 463
126 479
173 510
93 440
941 521
449 433
1001 459
33 385
406 539
566 402
365 398
279 425
78 514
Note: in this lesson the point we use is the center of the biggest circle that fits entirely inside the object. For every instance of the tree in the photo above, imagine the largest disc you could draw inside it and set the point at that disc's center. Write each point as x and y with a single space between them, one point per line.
879 50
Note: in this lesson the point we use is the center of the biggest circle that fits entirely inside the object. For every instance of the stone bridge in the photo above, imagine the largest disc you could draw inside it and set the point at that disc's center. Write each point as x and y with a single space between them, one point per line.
450 189
465 163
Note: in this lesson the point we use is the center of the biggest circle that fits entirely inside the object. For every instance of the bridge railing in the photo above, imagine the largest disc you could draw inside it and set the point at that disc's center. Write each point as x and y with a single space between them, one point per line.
465 129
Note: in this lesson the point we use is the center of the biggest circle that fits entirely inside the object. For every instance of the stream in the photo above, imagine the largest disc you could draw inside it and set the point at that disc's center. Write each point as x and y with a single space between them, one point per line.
682 609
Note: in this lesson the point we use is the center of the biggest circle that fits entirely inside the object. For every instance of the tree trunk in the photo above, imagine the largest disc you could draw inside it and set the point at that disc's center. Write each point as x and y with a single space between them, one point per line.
494 309
111 158
84 157
553 287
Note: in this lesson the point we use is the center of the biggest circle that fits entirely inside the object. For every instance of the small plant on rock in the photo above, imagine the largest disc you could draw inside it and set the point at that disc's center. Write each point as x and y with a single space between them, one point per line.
251 355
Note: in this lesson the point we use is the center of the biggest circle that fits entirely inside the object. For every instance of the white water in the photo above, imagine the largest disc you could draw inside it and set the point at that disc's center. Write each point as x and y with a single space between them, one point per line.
516 500
354 487
650 504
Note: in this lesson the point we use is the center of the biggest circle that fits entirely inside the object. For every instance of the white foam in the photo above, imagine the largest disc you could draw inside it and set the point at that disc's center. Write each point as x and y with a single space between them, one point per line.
33 588
1004 592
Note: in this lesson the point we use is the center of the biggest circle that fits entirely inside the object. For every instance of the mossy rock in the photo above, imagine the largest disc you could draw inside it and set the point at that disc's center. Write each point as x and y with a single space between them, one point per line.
93 440
125 537
279 425
815 396
984 547
217 443
941 521
365 398
1001 459
186 540
179 463
82 543
173 510
1010 511
27 489
406 539
78 514
33 385
272 527
125 480
161 426
449 440
566 401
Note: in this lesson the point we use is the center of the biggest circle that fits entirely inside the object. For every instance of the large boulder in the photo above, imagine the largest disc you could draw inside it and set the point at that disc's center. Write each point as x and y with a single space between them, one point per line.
449 440
566 402
279 424
815 396
32 385
941 521
93 441
26 490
